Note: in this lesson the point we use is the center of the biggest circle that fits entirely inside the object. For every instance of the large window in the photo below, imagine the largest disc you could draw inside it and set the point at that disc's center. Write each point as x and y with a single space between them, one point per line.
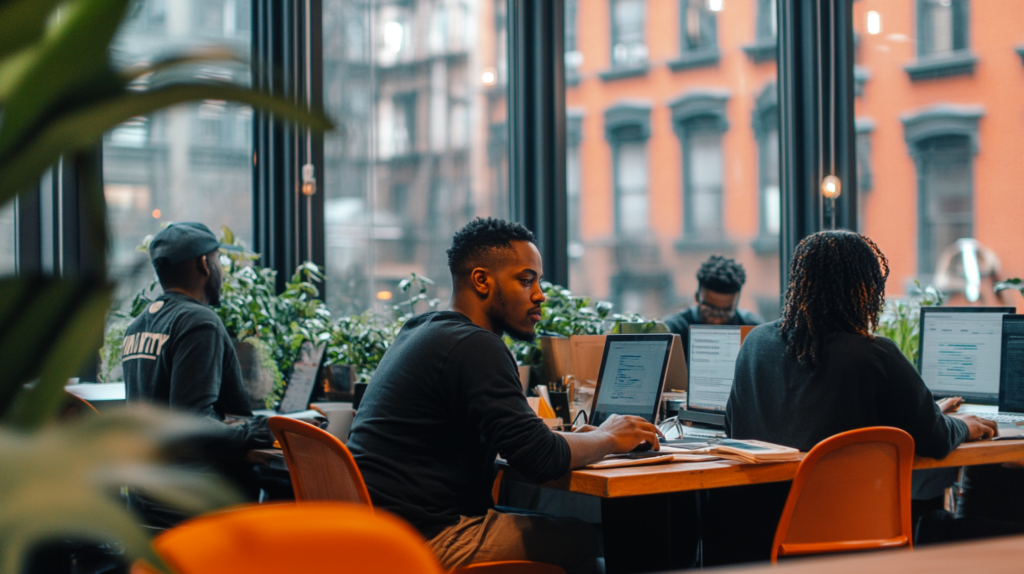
191 162
938 152
628 43
420 88
668 158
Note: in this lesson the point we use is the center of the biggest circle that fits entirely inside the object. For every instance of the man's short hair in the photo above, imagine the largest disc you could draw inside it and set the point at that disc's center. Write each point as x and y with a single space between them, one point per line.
721 275
178 274
484 243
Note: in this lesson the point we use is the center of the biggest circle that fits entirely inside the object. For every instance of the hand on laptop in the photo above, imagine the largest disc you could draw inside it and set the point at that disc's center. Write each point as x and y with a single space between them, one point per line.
950 405
978 428
628 432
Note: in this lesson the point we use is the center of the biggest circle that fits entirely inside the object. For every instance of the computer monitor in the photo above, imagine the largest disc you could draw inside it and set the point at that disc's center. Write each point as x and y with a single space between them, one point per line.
1011 375
712 368
960 350
632 376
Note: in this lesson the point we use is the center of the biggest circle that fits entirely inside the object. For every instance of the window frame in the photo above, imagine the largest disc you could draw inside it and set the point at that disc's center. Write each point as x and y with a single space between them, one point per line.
699 56
930 65
629 69
627 121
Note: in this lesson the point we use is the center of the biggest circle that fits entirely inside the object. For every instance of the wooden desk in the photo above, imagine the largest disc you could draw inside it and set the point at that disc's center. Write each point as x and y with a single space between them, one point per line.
636 502
1002 556
684 476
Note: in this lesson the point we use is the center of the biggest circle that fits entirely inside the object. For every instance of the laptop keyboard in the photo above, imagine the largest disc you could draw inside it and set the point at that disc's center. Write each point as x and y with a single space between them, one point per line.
1001 417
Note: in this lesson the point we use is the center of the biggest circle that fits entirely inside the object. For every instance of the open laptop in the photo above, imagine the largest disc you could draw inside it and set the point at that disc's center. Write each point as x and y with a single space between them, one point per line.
632 376
960 352
712 369
302 383
1011 378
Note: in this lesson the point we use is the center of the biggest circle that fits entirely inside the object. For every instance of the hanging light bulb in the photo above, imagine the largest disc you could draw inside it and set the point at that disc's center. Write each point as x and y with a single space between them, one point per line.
831 187
308 180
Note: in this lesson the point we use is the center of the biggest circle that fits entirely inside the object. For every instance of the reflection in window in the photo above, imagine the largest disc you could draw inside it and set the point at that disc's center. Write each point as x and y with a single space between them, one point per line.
702 174
190 162
942 26
698 26
628 22
767 19
573 57
946 196
420 87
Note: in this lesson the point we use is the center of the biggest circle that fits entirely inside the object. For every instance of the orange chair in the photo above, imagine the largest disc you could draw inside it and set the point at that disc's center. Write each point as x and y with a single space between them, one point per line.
851 492
75 406
325 537
322 468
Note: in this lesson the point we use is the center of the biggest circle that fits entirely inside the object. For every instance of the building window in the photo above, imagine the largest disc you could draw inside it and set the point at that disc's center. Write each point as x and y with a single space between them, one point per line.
699 120
627 127
573 184
698 36
629 47
943 140
766 134
766 32
573 56
865 174
942 40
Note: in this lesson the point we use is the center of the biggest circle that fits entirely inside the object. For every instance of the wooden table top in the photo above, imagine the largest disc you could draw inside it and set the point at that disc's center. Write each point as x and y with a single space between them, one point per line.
1000 556
683 476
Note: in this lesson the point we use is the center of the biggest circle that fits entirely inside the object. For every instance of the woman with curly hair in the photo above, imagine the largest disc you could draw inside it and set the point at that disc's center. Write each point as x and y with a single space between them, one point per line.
819 371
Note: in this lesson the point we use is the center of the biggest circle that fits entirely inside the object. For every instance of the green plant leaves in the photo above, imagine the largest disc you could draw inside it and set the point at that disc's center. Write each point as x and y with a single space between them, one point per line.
49 327
62 482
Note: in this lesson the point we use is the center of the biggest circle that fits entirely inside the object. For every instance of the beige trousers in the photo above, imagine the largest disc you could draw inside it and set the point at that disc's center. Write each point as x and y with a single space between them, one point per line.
565 542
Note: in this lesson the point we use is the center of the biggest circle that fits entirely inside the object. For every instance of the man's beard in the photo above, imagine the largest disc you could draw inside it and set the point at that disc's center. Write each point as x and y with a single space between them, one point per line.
212 290
501 314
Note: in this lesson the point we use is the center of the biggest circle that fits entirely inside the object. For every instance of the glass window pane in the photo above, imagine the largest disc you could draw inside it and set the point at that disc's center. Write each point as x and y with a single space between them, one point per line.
192 162
420 88
941 143
716 118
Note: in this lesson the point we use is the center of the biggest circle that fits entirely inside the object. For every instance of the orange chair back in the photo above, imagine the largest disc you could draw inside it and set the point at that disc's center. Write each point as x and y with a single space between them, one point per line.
75 406
851 492
324 537
509 567
321 466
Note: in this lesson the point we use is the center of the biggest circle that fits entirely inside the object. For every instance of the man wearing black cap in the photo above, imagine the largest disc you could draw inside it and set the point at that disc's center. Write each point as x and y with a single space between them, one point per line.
177 351
719 283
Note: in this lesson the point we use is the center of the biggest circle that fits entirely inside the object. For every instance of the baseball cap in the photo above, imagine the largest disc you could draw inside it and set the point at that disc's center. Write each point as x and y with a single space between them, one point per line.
183 241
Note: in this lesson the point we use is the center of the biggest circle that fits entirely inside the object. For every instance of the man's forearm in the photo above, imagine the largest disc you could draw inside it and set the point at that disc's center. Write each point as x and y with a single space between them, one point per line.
588 447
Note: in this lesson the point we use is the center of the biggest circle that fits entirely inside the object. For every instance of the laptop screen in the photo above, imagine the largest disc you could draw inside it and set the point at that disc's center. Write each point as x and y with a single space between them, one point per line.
713 352
1011 376
960 350
631 377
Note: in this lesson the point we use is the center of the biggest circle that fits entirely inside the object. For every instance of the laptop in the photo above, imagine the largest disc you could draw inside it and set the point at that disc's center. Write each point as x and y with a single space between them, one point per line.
712 369
1011 377
632 376
302 383
960 352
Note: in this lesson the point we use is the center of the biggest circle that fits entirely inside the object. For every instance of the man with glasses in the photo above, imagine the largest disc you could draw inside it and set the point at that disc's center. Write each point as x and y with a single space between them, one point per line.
719 283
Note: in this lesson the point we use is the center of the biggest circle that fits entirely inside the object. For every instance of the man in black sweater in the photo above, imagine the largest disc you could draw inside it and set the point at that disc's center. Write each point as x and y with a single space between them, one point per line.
817 372
719 285
446 399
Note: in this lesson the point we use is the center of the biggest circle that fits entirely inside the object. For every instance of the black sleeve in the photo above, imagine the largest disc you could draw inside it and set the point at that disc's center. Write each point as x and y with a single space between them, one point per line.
492 398
912 407
196 380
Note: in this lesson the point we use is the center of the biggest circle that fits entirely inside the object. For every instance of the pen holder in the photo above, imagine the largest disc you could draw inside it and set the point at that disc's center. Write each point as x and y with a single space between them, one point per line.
560 404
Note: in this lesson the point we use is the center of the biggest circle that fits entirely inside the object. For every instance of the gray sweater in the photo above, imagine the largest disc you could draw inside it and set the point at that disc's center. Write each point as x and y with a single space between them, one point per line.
860 383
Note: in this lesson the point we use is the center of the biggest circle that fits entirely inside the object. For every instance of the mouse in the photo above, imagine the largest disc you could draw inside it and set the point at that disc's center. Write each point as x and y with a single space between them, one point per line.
642 447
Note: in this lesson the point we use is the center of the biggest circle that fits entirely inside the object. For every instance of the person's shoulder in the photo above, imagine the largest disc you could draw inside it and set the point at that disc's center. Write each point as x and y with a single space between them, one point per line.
680 321
186 311
763 334
449 327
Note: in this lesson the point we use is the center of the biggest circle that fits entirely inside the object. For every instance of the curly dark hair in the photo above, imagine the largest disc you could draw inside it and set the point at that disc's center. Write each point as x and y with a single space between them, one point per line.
721 275
484 243
836 285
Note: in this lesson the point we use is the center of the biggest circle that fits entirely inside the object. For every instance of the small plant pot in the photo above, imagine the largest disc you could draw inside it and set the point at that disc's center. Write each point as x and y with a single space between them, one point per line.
338 381
357 395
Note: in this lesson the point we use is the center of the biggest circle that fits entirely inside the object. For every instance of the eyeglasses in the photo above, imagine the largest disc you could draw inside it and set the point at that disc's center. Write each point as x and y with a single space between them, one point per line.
717 311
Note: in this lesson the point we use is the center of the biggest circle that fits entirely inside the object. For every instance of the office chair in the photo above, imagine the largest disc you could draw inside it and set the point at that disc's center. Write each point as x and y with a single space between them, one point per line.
325 537
851 492
322 468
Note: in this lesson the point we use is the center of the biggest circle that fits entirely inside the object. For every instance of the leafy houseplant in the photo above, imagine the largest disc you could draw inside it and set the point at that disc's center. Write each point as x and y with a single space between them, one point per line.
900 320
59 93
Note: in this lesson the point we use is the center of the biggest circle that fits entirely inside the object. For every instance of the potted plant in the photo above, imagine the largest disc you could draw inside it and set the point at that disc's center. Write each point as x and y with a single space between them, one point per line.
900 319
